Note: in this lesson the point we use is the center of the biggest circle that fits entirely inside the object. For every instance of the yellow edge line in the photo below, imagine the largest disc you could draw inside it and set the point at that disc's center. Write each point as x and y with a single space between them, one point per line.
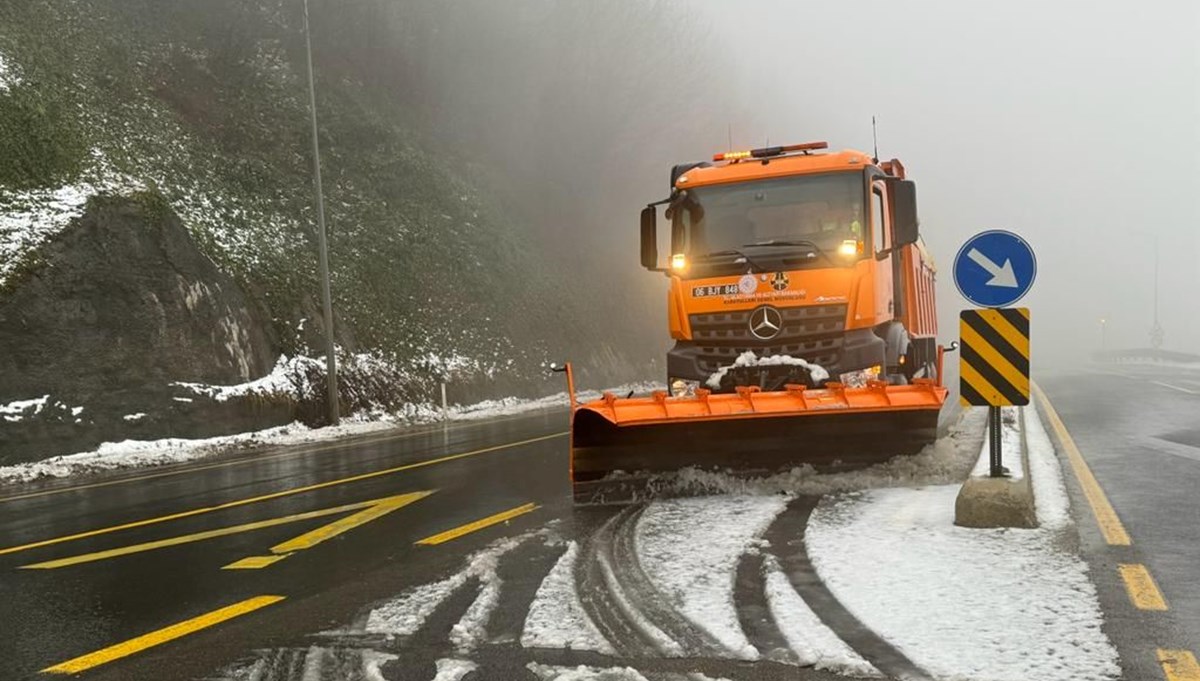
1106 517
1143 591
274 495
443 537
156 638
1179 665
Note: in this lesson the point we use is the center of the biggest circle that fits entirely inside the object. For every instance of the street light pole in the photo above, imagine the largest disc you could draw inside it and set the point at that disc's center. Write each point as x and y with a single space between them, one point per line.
322 242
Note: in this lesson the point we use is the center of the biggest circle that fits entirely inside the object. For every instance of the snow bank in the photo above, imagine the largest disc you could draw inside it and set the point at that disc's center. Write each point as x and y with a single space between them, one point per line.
556 618
689 549
144 453
991 604
749 359
947 460
1049 490
814 643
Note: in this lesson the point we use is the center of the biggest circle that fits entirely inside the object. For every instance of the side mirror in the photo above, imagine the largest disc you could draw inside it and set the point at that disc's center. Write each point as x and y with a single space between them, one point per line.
904 212
649 238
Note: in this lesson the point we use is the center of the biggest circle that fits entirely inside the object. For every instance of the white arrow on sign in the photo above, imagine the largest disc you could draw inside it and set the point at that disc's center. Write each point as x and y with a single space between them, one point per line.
1001 275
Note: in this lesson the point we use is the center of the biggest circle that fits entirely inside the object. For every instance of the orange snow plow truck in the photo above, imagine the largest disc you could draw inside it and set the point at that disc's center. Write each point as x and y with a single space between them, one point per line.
801 303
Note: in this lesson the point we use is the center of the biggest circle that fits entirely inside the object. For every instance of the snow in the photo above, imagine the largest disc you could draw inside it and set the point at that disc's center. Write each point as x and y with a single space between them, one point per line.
15 411
556 618
372 661
134 418
278 381
30 217
1010 447
814 643
404 615
948 460
584 673
689 549
144 453
1049 490
996 604
453 670
8 75
749 359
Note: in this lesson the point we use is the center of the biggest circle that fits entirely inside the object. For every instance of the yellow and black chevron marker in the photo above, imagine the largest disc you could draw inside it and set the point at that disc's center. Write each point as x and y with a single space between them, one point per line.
994 365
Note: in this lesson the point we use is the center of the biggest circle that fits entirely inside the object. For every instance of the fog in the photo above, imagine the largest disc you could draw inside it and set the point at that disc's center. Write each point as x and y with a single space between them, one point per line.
1073 124
1076 125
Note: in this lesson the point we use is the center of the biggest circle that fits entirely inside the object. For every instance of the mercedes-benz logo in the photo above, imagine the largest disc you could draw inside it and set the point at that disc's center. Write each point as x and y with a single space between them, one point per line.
765 322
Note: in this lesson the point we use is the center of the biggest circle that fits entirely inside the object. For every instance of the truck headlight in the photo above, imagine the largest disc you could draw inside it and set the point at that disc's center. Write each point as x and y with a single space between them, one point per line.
682 387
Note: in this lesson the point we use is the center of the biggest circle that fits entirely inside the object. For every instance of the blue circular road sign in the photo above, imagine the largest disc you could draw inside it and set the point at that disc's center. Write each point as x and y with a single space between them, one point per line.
995 268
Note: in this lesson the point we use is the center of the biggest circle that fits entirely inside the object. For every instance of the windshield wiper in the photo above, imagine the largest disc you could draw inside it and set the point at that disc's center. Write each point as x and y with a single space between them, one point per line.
732 251
792 242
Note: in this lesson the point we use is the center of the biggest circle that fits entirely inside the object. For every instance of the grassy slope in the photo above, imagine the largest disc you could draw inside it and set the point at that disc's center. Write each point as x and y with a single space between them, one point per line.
206 104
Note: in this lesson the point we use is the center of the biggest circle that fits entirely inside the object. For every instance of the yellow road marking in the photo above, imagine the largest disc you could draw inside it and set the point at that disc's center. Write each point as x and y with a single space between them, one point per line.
161 636
1179 665
1143 591
390 502
378 509
254 562
274 495
443 537
1106 517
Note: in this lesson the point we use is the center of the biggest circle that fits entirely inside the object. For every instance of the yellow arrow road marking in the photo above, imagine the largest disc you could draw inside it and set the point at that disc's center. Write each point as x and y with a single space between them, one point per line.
443 537
387 503
161 636
1143 591
1106 516
274 495
1179 665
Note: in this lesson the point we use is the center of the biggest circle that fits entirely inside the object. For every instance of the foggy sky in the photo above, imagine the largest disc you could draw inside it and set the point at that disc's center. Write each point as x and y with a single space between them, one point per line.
1073 124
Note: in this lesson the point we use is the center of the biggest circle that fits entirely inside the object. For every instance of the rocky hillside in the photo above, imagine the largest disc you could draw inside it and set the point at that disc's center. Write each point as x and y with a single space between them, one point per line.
156 214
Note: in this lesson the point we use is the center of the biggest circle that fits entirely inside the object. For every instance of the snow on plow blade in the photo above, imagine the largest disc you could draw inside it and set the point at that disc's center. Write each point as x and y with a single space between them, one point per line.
751 432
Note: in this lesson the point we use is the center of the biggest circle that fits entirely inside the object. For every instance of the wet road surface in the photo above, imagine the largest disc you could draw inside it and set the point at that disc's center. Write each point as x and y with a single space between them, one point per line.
1138 429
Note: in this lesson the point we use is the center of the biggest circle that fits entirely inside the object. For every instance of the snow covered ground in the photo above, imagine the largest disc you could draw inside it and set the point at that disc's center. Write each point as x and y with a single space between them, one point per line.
144 453
967 604
8 75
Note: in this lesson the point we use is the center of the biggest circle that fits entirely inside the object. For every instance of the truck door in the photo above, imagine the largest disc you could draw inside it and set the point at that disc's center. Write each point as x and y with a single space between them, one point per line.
881 240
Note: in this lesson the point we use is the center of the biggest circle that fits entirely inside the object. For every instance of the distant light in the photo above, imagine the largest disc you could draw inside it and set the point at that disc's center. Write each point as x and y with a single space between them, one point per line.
679 262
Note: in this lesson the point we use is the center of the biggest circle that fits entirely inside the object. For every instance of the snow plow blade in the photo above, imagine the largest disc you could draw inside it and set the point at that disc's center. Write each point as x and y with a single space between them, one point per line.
619 445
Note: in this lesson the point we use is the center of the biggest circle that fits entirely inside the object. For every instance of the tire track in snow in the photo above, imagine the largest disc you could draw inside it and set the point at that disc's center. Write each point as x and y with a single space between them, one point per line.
754 613
630 612
786 537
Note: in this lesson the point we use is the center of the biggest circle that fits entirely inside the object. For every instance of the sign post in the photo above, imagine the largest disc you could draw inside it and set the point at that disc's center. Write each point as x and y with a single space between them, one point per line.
994 270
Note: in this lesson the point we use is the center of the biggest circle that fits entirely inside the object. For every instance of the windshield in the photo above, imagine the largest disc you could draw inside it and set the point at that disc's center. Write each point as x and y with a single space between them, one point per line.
824 210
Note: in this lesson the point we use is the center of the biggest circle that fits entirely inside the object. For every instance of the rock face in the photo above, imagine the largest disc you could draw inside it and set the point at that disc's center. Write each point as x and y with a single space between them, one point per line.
120 305
123 299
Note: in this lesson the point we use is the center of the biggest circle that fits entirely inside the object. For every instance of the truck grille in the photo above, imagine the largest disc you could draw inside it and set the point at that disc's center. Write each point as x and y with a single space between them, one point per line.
814 333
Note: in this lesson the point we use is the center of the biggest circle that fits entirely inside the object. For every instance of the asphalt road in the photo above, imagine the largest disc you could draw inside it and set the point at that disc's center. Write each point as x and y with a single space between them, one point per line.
1138 428
56 614
265 552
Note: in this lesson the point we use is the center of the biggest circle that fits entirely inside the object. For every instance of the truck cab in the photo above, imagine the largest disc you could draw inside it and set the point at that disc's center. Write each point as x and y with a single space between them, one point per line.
793 266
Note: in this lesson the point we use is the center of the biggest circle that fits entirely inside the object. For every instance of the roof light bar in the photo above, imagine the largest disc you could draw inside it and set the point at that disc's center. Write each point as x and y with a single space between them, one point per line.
767 152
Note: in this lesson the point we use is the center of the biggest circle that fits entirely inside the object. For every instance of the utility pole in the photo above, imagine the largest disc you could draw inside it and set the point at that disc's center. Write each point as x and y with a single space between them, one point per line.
1156 331
1103 327
322 242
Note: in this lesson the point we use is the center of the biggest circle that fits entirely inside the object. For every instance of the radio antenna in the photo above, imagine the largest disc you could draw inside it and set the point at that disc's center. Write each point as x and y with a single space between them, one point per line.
875 138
